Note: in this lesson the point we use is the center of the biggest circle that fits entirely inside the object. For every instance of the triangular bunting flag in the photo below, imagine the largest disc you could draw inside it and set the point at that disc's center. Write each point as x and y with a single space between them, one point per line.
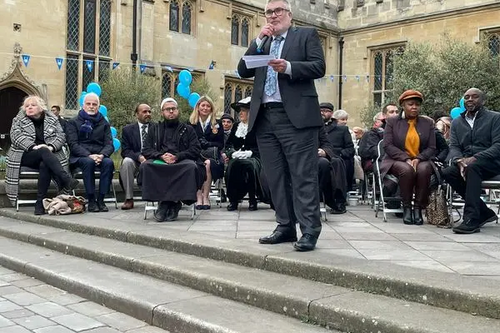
90 65
26 59
142 68
115 64
59 62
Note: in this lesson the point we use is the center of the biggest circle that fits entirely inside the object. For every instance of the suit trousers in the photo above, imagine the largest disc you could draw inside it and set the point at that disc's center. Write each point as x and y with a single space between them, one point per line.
411 180
470 188
290 161
128 171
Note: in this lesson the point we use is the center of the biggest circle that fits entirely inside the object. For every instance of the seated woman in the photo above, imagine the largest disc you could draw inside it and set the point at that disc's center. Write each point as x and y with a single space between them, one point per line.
37 141
211 136
244 167
91 145
173 171
409 145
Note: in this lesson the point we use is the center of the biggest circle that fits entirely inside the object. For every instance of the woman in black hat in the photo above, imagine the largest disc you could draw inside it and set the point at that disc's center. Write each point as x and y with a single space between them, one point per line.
244 167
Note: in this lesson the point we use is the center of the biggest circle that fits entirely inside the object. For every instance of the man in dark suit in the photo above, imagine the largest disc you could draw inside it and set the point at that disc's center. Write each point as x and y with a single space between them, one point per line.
133 137
284 113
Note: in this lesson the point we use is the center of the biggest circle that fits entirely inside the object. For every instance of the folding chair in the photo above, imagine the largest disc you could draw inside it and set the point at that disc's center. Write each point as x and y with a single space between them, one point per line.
492 188
78 174
381 202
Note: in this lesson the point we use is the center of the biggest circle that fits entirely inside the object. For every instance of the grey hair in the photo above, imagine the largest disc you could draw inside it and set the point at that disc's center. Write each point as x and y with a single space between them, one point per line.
287 4
91 94
375 117
340 114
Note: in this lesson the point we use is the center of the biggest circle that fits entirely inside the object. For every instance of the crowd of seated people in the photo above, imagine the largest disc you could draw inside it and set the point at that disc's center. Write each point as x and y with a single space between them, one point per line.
177 162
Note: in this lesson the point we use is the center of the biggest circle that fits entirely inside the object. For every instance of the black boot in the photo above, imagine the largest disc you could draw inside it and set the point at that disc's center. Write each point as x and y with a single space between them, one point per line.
417 216
408 215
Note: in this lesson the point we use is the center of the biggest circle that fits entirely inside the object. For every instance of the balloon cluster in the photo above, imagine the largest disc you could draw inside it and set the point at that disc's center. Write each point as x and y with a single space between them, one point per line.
456 111
95 88
184 89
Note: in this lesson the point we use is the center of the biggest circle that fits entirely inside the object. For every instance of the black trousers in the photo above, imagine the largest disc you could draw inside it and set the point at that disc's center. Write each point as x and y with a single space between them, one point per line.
48 167
290 161
470 188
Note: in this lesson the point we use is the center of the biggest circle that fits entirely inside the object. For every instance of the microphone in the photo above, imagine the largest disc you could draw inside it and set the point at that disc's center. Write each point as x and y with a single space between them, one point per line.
263 41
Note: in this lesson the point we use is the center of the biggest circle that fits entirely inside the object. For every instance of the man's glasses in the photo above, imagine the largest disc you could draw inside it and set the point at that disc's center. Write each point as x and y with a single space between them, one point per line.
277 11
169 109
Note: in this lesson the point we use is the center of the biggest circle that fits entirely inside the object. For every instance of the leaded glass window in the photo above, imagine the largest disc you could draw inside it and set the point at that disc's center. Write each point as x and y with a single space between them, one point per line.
186 18
72 82
166 85
73 31
228 97
104 68
174 16
89 28
235 30
244 32
105 27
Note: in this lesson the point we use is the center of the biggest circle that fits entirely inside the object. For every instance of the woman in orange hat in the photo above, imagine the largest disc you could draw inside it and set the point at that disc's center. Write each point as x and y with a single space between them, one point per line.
409 145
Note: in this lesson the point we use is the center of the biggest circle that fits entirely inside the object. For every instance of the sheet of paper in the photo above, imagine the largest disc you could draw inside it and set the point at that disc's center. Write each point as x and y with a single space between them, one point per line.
254 61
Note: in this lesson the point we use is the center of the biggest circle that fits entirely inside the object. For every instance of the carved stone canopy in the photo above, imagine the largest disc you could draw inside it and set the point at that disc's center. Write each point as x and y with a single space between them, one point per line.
15 76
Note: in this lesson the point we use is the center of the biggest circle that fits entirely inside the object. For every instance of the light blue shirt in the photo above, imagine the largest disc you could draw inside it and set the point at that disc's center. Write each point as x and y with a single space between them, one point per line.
277 95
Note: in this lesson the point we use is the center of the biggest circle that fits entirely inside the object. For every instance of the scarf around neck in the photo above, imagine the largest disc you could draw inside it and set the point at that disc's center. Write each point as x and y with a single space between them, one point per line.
89 121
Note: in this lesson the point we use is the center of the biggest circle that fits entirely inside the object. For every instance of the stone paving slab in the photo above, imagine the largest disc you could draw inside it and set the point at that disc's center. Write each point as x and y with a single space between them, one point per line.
358 234
36 308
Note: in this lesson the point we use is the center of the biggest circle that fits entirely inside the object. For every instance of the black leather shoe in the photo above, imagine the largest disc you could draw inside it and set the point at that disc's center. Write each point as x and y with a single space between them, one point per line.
408 215
173 211
232 206
39 210
92 207
278 237
417 216
252 206
102 206
306 243
488 216
468 226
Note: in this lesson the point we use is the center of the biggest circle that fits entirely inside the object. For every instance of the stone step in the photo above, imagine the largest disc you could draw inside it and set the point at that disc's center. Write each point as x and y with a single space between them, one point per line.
335 307
166 305
445 290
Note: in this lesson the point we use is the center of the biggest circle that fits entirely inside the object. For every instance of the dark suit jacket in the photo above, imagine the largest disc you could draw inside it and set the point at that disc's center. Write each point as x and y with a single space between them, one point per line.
395 133
303 50
341 140
208 138
131 142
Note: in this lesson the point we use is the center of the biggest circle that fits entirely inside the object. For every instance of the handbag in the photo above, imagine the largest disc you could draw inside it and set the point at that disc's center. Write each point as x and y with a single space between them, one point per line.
437 211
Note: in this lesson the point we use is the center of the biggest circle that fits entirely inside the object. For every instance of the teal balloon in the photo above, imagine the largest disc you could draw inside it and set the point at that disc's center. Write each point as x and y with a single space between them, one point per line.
114 132
116 144
462 104
94 88
193 99
183 90
185 77
82 97
455 112
103 110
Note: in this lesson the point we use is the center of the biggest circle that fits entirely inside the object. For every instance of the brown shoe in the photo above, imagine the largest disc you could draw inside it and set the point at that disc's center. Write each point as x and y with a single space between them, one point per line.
128 204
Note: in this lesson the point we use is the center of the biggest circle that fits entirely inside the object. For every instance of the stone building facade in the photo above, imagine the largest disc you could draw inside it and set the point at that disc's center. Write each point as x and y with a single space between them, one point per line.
209 37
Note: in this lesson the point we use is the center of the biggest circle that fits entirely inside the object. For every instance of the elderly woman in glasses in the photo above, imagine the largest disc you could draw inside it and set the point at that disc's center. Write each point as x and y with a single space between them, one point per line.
37 142
409 145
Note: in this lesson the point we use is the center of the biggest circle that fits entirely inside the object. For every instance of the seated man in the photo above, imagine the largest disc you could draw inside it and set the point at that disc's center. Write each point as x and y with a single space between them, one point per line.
91 144
474 156
331 176
174 171
133 137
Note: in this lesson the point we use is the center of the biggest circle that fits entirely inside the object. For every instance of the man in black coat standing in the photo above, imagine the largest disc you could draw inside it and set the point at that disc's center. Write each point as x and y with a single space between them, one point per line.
133 137
284 113
474 156
91 145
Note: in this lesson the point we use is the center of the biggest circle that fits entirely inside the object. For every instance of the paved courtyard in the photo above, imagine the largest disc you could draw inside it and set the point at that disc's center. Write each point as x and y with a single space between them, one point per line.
28 305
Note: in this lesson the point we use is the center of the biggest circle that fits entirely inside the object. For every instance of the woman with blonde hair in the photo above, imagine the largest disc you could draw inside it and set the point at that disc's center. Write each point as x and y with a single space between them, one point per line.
37 142
211 136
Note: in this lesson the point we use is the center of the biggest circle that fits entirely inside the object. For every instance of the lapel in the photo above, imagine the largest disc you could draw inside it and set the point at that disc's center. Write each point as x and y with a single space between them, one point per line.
289 41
